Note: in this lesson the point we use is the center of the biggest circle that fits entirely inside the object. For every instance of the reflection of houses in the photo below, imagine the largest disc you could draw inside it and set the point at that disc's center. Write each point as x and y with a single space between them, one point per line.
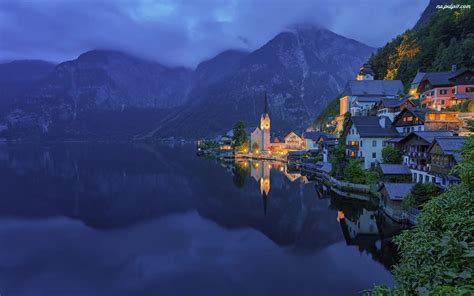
444 154
365 224
365 138
392 197
415 153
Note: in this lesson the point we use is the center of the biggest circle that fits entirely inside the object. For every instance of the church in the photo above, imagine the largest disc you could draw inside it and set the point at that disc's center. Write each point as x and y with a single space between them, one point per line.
261 136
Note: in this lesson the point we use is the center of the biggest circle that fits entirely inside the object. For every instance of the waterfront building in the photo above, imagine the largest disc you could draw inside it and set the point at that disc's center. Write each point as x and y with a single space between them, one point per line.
326 143
415 153
392 195
261 135
360 96
445 153
310 139
294 142
366 136
395 173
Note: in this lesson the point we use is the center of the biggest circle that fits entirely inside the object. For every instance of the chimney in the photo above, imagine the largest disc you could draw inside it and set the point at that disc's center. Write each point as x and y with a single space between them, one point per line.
453 68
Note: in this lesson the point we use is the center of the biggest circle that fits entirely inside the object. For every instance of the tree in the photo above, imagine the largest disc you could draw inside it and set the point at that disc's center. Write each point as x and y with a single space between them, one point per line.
240 138
338 157
390 155
255 148
354 173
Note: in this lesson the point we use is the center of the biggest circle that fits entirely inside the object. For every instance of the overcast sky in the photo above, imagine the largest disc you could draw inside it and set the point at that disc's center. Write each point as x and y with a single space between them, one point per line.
188 31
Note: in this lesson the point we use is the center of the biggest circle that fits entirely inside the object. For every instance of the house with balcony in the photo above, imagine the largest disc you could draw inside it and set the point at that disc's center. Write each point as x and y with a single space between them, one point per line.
365 138
360 96
415 153
440 90
391 107
445 153
424 119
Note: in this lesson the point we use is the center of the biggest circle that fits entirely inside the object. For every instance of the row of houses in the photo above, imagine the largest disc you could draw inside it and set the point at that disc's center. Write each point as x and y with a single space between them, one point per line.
422 126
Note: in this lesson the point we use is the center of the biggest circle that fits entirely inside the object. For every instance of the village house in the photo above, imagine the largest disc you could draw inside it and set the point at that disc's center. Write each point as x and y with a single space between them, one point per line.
310 139
294 142
391 107
392 195
425 119
415 153
360 96
326 143
395 173
366 136
440 90
445 153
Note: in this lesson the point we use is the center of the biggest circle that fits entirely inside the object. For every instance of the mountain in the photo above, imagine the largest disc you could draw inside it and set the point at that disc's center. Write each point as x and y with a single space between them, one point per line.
106 94
429 10
96 95
299 69
17 76
441 38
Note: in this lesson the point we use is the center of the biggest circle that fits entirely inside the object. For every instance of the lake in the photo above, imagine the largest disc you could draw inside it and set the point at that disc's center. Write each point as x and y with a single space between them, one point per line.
119 219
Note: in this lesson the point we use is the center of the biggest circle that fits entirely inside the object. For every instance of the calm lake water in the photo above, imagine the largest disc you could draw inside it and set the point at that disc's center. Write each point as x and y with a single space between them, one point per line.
103 219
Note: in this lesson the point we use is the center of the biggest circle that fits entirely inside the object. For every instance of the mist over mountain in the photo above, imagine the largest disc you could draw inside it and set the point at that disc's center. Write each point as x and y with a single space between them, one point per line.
107 94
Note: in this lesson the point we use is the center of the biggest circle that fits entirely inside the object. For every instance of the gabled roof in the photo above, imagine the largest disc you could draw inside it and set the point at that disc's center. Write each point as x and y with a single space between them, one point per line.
369 127
372 88
397 191
427 136
442 78
418 112
250 130
392 103
394 169
418 77
449 145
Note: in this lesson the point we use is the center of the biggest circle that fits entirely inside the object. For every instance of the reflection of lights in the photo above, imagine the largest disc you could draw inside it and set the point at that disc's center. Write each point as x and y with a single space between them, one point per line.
340 216
281 169
256 164
269 166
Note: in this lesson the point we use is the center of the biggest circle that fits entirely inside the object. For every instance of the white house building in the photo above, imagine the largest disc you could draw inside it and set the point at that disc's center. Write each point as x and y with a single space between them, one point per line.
366 136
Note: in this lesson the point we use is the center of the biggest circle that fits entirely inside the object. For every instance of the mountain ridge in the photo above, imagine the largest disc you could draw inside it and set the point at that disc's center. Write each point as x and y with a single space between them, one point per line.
299 68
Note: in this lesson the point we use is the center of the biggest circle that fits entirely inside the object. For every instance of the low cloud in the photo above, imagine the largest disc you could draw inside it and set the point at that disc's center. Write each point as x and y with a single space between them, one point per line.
185 32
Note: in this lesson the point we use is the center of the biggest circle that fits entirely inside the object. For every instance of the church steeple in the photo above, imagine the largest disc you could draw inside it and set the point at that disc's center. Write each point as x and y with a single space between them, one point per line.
265 107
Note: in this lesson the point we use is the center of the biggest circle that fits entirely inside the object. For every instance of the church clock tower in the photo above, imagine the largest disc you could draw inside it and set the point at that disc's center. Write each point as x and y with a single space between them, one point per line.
265 126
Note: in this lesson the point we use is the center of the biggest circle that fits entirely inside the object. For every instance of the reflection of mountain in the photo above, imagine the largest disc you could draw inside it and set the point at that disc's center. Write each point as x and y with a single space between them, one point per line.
110 186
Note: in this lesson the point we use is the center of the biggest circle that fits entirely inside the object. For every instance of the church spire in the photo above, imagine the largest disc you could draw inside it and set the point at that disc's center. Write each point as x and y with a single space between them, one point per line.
265 108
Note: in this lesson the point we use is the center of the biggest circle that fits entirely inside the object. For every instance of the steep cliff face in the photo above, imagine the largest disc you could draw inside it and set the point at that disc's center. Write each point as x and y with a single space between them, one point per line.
103 92
300 70
17 77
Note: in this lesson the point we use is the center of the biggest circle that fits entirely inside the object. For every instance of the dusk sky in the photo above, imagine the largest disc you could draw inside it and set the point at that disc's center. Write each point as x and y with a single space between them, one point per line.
185 32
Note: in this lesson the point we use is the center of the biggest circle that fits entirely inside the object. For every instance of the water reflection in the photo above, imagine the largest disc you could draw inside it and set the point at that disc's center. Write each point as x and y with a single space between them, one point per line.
161 219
